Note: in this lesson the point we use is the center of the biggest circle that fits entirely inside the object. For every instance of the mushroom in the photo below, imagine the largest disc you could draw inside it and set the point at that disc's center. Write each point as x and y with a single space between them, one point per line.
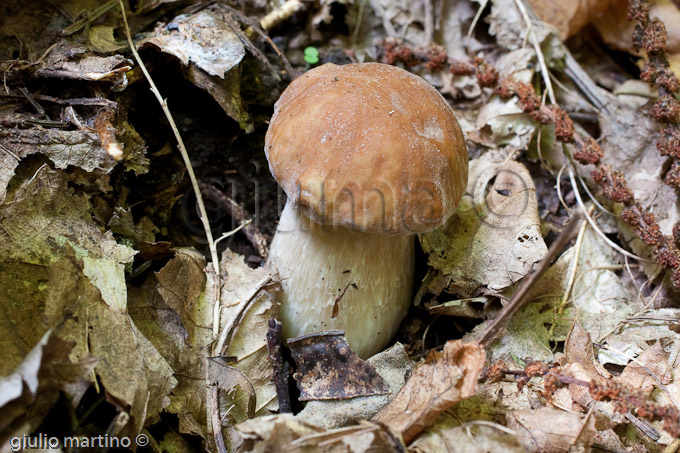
369 155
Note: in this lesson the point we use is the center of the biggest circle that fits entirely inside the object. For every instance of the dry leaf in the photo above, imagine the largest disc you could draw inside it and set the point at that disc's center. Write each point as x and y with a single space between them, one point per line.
180 321
102 39
602 300
392 364
629 144
181 283
650 369
170 310
552 430
71 61
204 39
444 379
209 49
273 433
79 148
248 342
471 438
327 368
284 433
27 394
569 17
494 239
617 30
509 27
229 380
136 378
579 349
75 284
640 331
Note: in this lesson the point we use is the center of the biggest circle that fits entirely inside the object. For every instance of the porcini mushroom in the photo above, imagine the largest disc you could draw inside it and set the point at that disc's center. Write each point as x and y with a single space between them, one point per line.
369 155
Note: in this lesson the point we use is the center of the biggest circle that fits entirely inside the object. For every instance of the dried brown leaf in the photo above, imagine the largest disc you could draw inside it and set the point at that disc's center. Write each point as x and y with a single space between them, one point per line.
181 284
579 349
64 148
76 287
650 369
71 61
392 364
569 17
328 369
552 430
209 49
444 379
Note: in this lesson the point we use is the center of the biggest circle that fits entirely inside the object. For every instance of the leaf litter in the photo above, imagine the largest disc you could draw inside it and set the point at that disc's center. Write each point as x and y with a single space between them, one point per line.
109 301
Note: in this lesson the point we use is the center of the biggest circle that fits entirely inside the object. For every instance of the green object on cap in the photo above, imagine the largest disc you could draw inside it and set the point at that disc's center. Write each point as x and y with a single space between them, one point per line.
311 55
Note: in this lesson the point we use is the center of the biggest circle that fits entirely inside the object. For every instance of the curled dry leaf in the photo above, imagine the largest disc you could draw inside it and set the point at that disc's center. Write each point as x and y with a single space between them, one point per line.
204 39
552 430
494 239
207 45
84 150
648 371
71 61
392 364
444 379
327 368
579 349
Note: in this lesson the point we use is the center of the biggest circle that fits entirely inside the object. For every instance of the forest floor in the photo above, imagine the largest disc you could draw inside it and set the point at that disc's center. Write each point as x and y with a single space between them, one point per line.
545 311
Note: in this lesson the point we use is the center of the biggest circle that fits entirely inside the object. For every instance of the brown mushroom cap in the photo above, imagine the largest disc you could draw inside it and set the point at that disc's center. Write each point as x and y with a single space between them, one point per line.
368 146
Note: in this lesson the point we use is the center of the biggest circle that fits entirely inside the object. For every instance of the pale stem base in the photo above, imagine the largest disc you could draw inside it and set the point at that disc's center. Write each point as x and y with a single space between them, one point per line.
364 279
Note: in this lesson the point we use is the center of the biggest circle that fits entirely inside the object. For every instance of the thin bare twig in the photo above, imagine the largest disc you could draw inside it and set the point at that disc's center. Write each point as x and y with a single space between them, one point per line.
539 53
281 14
190 170
429 20
280 367
216 419
594 224
380 12
239 214
221 346
572 273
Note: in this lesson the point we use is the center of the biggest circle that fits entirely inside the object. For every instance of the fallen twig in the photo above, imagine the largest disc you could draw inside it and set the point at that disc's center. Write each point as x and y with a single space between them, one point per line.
239 214
280 370
216 419
213 400
190 170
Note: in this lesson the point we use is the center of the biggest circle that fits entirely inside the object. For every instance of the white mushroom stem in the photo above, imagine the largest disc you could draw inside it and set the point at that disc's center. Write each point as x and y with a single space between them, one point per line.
337 278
